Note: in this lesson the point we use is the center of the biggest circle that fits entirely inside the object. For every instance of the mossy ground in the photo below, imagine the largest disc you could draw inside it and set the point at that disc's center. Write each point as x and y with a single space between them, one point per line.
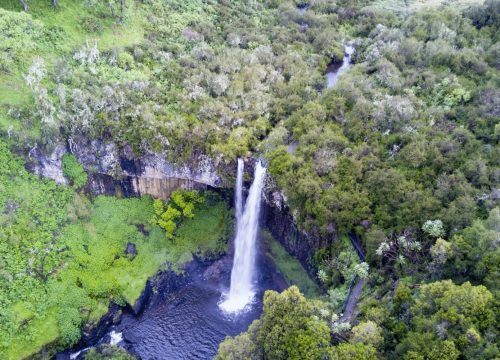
291 268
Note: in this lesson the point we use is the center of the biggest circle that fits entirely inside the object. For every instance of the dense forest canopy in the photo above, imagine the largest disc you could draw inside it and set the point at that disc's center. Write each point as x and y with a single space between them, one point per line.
402 154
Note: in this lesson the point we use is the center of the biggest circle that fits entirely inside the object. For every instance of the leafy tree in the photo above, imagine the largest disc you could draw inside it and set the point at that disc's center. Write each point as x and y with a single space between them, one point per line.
367 333
21 35
289 328
433 228
358 351
450 311
474 254
180 205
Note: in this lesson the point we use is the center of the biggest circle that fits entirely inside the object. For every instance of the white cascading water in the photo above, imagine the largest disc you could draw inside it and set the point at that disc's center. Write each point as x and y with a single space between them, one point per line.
238 202
242 291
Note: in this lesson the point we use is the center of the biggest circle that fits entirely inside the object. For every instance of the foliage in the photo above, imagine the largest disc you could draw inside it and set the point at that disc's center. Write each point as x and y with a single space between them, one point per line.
433 228
367 333
74 171
21 36
108 352
289 328
340 263
475 252
180 205
292 327
408 135
354 351
452 312
53 242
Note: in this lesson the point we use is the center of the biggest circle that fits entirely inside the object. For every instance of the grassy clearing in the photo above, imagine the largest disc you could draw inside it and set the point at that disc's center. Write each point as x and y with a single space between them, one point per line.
47 332
67 19
290 267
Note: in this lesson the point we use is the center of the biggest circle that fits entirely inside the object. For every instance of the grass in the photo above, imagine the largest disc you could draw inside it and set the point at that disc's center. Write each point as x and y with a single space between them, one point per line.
290 268
203 236
68 15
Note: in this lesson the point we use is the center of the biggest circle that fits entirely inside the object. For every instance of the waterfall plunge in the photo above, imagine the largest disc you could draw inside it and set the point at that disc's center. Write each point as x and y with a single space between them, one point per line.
242 292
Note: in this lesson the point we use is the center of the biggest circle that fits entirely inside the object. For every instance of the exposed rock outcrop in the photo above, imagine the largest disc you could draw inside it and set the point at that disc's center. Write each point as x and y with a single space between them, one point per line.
113 171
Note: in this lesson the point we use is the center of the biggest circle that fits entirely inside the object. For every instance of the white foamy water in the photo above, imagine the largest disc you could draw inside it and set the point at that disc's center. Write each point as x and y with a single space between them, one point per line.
115 337
242 291
238 201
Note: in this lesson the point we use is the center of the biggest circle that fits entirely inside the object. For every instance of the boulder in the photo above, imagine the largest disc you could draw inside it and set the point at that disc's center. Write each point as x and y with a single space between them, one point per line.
131 250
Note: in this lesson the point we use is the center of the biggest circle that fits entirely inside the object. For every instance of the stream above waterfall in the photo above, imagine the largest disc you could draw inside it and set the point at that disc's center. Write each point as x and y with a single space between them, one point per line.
335 69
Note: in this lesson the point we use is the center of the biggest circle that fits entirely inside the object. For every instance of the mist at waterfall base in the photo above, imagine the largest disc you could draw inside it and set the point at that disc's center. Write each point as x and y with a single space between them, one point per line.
241 292
189 323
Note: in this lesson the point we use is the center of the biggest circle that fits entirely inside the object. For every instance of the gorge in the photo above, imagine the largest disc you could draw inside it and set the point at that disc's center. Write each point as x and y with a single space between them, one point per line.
276 179
189 315
190 320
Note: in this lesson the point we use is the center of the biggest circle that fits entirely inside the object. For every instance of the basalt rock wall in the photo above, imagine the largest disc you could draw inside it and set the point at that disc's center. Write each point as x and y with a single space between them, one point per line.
119 172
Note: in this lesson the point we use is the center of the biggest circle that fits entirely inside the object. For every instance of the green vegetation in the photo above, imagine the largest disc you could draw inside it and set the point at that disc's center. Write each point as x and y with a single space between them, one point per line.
55 241
290 267
74 171
204 236
180 205
108 352
289 328
403 152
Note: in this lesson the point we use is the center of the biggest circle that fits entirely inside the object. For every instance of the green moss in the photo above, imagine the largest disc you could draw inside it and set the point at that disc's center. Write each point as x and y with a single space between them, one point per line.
290 267
46 332
205 235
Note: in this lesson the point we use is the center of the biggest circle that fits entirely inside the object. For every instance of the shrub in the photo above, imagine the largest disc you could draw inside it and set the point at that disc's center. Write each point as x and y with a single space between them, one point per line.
74 171
20 35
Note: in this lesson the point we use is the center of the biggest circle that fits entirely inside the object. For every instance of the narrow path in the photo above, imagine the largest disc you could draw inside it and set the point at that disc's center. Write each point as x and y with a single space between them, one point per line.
356 243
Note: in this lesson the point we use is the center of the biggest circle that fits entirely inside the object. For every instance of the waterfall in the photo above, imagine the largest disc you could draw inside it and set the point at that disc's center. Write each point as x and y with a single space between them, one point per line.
241 292
238 201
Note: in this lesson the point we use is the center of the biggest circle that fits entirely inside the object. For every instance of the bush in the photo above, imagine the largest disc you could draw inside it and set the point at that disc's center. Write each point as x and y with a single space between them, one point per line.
91 24
20 35
74 171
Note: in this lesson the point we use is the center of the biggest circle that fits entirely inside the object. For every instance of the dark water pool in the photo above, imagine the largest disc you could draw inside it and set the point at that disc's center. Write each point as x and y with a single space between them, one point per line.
189 325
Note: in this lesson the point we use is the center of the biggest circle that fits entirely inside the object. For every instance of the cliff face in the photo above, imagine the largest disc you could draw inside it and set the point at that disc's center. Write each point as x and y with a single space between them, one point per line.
280 222
114 172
